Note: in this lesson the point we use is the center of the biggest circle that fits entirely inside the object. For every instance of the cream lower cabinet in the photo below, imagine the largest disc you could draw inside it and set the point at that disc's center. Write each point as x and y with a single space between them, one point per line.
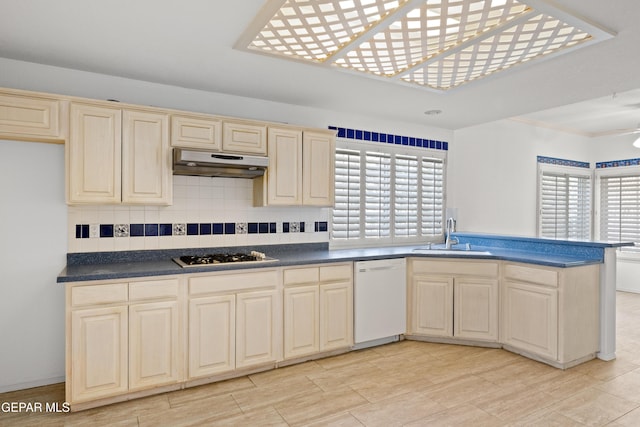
122 337
453 299
98 353
118 156
212 340
233 321
318 309
551 313
153 344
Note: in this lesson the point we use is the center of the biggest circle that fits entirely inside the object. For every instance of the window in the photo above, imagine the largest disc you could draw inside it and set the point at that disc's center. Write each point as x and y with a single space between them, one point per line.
619 205
564 201
387 195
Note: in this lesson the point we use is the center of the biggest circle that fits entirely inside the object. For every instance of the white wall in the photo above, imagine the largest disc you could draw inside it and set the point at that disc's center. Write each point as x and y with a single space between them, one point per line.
492 174
33 218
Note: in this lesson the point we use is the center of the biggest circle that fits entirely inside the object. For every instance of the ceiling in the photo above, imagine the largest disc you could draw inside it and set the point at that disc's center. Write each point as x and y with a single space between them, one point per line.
593 91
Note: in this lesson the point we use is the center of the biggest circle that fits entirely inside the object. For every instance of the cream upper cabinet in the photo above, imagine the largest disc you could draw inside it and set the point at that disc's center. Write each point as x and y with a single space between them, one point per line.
454 299
146 158
318 169
94 154
31 117
284 174
551 313
244 137
318 309
199 132
301 169
118 156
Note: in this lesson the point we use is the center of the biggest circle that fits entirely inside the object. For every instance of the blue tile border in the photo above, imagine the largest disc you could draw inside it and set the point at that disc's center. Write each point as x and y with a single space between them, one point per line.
82 231
388 138
618 163
563 162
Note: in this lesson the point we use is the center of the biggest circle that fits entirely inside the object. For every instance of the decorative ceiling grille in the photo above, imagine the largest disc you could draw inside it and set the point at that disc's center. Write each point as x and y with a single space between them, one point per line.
436 44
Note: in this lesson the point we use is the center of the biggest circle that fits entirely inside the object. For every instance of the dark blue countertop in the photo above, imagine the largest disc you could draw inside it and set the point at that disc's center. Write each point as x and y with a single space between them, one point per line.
117 265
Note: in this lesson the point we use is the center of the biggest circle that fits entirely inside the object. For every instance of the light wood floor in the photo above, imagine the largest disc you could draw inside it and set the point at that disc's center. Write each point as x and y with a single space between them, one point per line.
406 383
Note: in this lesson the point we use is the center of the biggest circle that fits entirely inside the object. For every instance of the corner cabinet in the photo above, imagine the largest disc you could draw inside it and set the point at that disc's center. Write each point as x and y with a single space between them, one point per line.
118 156
551 314
301 169
453 299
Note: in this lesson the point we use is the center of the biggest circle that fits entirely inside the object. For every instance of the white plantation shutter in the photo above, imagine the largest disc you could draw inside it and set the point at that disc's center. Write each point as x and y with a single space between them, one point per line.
620 209
346 213
385 194
406 197
432 196
564 201
377 195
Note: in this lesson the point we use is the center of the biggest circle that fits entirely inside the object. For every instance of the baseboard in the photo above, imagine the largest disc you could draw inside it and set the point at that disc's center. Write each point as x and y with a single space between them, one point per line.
5 388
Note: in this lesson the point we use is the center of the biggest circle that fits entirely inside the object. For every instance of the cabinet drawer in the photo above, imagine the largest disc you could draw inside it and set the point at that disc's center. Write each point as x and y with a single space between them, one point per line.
294 276
153 289
29 116
332 273
98 294
233 282
196 132
244 138
455 267
539 275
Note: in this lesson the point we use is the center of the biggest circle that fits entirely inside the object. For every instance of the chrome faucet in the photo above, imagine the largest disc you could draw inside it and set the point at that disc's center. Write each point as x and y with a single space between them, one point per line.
451 227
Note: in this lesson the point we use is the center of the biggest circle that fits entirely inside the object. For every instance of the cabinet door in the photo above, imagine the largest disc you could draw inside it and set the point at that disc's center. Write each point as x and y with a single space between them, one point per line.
476 308
146 158
336 315
433 305
98 353
212 341
284 175
196 132
530 318
255 328
25 117
94 154
153 344
244 138
301 321
318 151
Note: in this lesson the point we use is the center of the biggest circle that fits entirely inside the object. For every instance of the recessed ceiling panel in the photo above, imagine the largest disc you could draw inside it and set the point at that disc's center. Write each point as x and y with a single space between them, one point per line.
434 44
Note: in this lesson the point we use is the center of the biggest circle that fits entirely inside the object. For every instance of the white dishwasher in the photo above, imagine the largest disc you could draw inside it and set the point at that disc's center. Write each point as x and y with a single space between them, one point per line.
380 301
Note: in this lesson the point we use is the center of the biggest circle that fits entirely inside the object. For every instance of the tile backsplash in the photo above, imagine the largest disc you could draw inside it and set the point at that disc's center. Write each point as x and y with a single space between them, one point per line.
206 212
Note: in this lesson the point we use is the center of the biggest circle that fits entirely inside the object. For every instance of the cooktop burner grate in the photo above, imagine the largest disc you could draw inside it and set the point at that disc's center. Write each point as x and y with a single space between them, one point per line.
221 258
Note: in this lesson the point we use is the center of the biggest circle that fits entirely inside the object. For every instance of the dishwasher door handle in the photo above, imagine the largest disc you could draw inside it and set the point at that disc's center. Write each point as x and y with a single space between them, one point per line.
386 267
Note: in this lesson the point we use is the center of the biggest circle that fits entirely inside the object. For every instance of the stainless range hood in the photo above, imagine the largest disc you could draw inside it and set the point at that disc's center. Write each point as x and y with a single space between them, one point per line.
210 163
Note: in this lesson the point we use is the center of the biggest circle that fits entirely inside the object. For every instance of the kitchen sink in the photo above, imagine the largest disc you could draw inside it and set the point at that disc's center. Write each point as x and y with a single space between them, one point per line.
459 249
